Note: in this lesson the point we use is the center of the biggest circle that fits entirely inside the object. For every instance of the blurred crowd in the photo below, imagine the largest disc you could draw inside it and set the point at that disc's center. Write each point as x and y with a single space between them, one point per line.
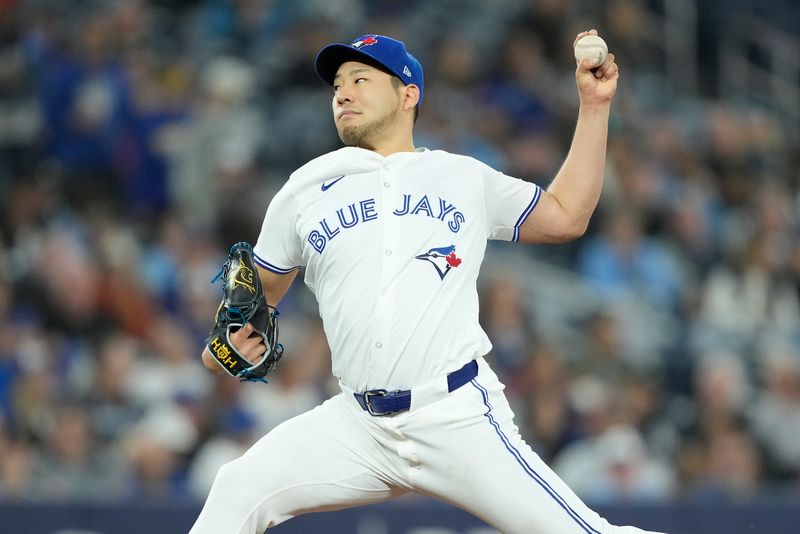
138 140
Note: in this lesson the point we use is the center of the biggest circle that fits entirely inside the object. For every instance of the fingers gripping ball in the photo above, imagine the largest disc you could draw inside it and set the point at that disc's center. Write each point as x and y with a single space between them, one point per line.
592 47
243 302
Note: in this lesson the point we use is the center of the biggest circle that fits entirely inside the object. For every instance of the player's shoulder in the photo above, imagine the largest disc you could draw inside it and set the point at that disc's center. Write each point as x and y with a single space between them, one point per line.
346 160
315 165
460 160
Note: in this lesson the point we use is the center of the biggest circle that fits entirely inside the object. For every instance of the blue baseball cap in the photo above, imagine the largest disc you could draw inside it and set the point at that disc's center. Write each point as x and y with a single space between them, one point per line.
386 52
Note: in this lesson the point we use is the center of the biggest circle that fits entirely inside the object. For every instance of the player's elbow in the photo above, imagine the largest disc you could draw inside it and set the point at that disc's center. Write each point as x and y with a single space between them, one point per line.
569 230
555 221
552 233
574 230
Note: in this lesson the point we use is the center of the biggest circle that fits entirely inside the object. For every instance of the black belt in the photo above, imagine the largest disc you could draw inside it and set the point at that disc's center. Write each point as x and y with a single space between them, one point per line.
382 402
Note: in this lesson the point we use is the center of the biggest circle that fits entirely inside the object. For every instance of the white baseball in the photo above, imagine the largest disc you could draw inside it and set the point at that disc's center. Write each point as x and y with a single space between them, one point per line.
592 47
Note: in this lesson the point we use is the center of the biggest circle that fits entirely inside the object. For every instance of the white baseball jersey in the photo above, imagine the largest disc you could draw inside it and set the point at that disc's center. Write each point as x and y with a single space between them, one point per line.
392 248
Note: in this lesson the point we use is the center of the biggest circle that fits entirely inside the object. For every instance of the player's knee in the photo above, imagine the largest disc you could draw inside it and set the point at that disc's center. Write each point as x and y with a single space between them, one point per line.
236 495
239 473
262 481
225 490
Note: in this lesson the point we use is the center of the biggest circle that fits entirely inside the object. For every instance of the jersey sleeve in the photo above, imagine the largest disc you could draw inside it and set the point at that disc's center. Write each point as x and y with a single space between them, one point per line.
509 201
278 246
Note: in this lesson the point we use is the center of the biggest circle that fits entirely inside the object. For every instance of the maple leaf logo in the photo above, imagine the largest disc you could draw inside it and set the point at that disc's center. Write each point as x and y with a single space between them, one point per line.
364 41
453 260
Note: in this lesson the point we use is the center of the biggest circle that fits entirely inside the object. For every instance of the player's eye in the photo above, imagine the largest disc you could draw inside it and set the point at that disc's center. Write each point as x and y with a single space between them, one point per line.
359 80
335 88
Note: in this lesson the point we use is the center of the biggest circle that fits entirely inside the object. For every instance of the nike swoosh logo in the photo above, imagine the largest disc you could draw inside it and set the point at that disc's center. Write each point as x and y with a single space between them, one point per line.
327 186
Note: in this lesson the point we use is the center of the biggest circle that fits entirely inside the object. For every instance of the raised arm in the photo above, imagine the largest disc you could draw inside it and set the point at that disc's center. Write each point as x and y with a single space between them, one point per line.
564 210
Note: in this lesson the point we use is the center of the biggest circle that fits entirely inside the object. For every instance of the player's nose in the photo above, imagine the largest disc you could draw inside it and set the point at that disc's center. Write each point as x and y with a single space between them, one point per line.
344 93
343 96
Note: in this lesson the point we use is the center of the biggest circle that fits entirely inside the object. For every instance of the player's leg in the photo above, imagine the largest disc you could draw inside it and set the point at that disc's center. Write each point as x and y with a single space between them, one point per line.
321 460
477 461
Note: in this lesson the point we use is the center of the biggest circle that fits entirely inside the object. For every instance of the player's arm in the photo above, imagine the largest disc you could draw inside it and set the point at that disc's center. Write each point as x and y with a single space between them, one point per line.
252 347
564 209
275 285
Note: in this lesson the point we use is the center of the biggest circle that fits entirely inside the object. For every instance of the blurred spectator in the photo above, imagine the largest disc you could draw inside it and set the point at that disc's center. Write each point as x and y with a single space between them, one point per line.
167 369
519 87
85 101
21 123
549 20
594 403
693 227
161 99
156 449
452 89
215 152
69 297
157 470
750 300
609 461
602 353
73 467
539 393
732 468
16 466
615 467
121 294
629 28
643 405
36 390
721 393
9 365
775 414
623 262
507 321
112 405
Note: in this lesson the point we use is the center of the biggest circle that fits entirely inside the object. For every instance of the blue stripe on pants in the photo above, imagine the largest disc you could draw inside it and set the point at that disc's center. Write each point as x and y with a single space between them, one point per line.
528 469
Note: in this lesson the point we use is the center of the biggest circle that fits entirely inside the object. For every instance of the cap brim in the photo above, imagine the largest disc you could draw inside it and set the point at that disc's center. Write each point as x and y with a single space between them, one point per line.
332 56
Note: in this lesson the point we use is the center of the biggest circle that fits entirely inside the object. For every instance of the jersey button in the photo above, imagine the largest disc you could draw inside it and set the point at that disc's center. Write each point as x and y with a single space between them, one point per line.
388 252
387 184
378 344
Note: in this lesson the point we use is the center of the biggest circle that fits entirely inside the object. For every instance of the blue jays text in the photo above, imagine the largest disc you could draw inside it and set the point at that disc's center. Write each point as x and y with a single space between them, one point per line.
364 210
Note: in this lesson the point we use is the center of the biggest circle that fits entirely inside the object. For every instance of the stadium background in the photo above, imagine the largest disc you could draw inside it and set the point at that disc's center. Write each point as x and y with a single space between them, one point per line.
655 363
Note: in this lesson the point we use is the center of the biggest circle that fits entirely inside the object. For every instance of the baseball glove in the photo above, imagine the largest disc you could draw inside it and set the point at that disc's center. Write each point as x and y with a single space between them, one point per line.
243 302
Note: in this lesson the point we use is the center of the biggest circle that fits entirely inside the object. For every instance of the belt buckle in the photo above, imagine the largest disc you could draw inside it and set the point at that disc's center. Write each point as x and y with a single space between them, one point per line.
375 393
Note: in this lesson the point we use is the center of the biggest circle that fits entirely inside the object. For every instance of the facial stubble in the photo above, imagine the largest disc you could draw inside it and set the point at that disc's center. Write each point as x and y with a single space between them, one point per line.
364 135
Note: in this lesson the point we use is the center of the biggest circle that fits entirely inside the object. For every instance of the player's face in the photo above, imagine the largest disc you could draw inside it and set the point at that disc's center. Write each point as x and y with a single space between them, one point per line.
366 104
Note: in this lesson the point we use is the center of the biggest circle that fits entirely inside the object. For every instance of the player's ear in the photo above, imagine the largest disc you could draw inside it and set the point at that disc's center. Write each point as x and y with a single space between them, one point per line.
410 96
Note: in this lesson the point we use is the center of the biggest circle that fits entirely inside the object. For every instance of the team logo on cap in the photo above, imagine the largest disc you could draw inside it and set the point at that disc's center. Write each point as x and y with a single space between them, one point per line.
443 259
364 41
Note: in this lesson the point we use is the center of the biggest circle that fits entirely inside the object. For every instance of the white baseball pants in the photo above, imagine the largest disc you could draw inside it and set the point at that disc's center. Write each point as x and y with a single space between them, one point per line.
460 447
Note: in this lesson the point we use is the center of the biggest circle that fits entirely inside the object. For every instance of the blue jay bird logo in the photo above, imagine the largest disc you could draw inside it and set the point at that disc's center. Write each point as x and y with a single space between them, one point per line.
442 258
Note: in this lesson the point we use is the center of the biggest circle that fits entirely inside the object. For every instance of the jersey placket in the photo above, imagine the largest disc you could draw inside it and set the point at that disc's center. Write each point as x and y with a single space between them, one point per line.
380 365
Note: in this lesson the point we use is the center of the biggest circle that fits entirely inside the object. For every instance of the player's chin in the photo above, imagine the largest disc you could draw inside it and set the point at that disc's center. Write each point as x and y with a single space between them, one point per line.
350 135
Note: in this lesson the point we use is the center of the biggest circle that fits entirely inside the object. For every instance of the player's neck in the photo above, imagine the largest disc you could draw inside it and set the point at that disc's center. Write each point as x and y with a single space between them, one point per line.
389 150
391 144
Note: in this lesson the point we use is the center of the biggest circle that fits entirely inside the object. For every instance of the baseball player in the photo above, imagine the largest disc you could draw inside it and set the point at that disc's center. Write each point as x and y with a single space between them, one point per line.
391 238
